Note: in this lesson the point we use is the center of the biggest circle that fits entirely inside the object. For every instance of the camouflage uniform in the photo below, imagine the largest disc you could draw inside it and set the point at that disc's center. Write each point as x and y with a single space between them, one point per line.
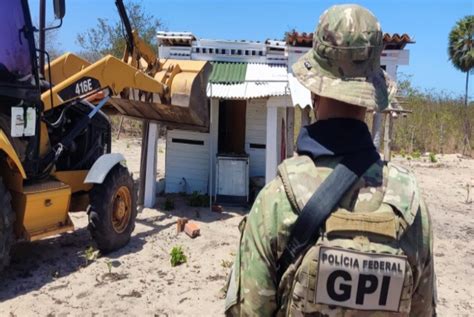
383 213
387 193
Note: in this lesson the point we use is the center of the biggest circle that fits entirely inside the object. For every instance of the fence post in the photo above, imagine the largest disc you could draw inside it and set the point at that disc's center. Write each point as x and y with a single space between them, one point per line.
387 153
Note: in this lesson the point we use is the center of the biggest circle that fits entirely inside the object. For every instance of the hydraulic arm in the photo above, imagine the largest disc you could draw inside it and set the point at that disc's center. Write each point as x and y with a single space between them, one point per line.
172 92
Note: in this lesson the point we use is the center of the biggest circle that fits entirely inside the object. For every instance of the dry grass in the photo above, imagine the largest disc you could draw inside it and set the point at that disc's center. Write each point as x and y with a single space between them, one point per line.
436 124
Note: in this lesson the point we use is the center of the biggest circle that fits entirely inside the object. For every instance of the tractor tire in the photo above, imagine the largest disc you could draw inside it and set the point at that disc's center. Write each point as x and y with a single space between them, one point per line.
112 210
7 220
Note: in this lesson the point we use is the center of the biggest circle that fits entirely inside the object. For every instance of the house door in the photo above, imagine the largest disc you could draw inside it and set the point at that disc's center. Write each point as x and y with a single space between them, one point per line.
231 138
232 177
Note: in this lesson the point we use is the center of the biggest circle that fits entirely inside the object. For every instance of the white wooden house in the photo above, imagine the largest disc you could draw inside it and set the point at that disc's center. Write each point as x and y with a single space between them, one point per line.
252 98
248 100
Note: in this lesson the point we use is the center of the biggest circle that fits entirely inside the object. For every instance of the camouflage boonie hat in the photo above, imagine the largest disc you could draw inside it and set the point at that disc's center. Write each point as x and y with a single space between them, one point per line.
344 63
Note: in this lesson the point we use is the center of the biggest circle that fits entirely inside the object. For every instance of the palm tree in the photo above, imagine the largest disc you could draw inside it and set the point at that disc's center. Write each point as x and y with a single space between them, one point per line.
461 54
461 46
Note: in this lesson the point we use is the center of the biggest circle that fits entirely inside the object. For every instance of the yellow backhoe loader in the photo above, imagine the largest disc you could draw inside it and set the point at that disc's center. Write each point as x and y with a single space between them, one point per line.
55 139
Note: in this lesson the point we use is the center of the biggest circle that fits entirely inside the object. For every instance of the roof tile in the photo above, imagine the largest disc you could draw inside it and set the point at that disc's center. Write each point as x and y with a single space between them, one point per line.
390 41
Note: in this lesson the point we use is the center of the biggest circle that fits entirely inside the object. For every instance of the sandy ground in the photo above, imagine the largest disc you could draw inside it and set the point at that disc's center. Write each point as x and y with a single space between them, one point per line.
51 277
444 186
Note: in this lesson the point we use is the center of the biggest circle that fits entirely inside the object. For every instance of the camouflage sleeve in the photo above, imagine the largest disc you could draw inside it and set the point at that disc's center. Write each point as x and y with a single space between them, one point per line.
424 297
254 272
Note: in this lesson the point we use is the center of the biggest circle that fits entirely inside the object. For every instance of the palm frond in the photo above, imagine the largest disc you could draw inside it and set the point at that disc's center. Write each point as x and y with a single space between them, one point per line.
461 44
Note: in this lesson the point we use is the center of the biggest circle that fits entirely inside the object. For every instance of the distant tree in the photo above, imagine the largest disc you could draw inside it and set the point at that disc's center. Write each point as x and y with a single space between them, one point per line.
108 38
461 47
52 44
461 54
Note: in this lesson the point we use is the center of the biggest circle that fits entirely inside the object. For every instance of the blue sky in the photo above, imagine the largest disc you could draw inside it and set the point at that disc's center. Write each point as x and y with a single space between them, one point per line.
427 21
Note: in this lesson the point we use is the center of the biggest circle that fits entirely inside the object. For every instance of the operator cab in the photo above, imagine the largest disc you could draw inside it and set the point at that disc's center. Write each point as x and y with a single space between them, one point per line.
19 89
22 115
18 67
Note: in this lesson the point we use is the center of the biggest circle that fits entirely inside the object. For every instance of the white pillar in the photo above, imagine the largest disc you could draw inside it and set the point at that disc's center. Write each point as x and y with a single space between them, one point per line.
213 143
391 69
150 178
387 153
271 152
377 129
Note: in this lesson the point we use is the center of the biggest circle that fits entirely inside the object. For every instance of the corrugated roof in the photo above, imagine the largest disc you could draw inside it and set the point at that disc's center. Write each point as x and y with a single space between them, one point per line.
300 95
304 39
228 73
247 90
266 72
261 80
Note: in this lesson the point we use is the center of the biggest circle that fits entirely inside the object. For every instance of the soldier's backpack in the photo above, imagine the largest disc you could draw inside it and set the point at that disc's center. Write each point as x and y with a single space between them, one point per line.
359 261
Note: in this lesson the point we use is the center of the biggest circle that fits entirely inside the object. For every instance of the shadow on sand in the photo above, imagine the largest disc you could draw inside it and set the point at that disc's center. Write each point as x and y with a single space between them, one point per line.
35 264
202 214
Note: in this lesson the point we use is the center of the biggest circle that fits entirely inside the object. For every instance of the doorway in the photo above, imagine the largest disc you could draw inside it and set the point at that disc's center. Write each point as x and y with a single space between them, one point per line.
231 137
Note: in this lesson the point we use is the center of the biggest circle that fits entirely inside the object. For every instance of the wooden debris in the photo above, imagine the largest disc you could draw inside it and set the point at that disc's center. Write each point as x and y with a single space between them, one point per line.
180 224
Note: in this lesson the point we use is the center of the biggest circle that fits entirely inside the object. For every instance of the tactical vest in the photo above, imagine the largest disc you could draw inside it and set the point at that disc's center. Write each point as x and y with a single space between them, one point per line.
364 260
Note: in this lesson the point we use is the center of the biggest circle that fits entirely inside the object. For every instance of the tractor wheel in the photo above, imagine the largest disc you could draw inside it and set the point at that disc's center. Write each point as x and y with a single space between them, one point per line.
112 210
7 220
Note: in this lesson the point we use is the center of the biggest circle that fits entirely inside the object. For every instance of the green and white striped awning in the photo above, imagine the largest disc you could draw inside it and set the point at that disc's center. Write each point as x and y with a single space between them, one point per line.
247 80
228 73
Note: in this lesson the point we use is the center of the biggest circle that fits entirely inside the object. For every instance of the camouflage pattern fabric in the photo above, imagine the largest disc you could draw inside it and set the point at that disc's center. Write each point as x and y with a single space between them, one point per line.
383 191
344 63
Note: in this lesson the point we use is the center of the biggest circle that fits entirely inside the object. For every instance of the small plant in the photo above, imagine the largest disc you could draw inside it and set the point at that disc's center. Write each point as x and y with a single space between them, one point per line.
198 200
416 154
169 204
90 255
433 158
226 264
109 266
177 256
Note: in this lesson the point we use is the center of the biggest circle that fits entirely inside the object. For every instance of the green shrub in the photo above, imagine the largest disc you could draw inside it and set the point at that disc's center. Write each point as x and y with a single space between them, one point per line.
198 200
177 256
416 154
90 255
433 158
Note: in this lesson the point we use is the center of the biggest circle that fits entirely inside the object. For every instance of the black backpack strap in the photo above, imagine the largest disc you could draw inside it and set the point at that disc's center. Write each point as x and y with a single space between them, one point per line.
321 204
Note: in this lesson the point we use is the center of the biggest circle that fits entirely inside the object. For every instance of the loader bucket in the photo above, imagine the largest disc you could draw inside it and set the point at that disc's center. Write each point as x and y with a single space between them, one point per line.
187 88
175 96
184 104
